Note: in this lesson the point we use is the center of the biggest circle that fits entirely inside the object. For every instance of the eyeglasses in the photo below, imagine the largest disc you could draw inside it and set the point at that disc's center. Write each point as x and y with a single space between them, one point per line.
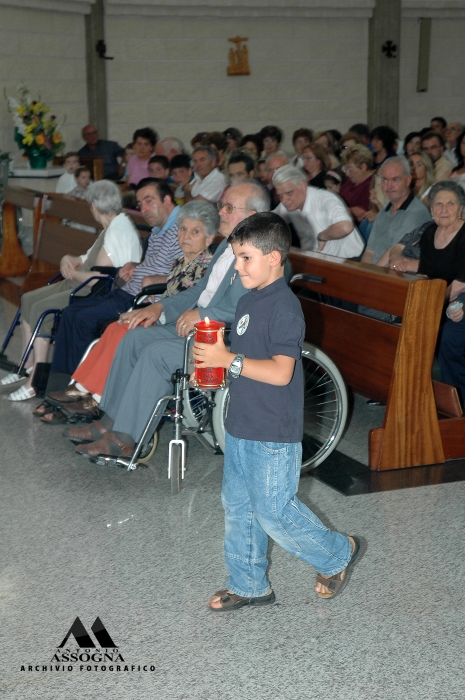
272 170
349 168
90 133
309 157
229 208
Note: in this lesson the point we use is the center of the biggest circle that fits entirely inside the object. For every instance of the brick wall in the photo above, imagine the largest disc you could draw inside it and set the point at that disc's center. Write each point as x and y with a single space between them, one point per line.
45 50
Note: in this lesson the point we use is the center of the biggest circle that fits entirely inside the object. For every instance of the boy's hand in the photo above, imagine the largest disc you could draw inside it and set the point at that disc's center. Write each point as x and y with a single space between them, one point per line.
216 355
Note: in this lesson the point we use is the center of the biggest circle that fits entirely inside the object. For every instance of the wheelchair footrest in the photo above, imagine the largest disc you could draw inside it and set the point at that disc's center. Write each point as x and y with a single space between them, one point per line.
121 462
10 366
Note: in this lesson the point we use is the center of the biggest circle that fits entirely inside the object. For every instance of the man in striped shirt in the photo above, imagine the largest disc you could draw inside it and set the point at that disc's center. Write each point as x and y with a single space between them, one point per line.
81 322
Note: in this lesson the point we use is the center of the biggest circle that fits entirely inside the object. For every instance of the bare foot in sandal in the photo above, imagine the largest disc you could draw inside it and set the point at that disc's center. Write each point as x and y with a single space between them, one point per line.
337 582
224 601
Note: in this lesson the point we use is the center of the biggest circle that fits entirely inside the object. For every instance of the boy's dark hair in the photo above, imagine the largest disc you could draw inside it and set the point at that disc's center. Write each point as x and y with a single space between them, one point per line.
162 160
82 169
163 189
360 129
181 161
70 154
239 157
265 231
145 133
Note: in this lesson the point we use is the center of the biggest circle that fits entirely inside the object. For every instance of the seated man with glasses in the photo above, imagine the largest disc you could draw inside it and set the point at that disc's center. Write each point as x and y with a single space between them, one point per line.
81 322
154 348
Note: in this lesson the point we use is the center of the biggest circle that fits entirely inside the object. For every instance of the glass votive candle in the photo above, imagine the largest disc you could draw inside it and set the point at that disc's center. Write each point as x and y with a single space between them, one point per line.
206 331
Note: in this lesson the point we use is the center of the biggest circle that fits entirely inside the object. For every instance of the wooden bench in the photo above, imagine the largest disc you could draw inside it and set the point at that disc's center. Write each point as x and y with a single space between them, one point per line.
53 239
13 262
388 362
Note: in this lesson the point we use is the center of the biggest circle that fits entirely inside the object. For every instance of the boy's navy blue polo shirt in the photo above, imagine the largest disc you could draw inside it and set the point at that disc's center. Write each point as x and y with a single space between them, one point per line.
268 322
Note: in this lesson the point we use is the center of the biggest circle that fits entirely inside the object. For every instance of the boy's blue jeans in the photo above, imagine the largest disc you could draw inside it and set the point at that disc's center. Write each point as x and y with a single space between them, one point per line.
260 483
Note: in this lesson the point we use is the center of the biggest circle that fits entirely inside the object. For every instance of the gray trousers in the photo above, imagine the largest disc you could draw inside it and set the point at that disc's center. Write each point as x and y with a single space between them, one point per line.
140 375
56 296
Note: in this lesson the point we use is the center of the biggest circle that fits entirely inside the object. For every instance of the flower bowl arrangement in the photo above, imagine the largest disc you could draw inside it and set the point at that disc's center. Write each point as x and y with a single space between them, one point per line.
35 132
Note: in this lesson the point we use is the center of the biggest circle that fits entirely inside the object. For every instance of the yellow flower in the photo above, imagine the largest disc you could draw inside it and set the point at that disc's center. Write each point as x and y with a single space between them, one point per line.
28 140
56 138
40 139
20 110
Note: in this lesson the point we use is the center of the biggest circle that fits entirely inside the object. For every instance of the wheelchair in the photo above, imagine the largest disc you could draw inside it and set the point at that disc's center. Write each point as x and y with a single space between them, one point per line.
104 284
201 413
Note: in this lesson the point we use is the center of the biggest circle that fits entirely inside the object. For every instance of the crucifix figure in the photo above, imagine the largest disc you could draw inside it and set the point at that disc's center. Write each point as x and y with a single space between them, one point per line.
239 58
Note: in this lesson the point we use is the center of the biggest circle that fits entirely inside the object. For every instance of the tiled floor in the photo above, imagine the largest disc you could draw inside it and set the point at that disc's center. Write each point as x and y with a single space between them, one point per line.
83 541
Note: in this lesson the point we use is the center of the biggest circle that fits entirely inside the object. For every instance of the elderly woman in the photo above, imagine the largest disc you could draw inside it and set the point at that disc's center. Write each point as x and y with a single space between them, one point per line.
116 245
198 224
358 166
316 162
423 178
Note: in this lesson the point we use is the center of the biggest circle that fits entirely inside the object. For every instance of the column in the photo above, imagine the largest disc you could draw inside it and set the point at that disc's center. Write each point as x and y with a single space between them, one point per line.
96 69
384 64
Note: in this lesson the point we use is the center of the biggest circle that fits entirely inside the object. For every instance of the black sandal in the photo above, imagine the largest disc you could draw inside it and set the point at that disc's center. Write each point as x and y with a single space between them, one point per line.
336 584
47 409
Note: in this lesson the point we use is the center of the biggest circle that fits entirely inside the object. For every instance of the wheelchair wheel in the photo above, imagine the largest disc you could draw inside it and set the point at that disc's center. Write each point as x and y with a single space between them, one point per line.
148 450
220 412
195 412
325 407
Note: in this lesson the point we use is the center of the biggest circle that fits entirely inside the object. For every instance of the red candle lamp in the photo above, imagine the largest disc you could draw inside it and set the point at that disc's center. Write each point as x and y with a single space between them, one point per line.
206 331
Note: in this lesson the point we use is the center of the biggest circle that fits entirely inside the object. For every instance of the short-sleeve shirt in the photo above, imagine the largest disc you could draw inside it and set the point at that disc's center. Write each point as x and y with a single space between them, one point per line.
268 322
211 187
109 152
389 229
137 170
321 210
163 248
121 242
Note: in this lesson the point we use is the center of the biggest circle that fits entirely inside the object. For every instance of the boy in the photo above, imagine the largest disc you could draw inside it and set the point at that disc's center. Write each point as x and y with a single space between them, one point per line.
82 184
264 428
67 182
159 166
182 174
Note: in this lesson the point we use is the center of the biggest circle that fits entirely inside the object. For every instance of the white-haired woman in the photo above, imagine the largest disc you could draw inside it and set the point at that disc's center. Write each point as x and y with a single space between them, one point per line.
198 223
116 245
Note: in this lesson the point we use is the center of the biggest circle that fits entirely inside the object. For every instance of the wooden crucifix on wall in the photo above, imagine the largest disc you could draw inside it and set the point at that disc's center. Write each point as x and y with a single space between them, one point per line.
239 57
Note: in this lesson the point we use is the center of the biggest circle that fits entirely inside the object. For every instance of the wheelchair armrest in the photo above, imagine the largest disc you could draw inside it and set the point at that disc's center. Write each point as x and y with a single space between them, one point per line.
108 278
150 289
105 270
54 278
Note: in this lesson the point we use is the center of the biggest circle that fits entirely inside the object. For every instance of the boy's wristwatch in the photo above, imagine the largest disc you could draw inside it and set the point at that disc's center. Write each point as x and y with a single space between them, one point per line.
235 368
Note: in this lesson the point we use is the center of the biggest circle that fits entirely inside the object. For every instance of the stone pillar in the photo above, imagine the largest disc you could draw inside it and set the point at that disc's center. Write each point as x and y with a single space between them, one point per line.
96 70
384 64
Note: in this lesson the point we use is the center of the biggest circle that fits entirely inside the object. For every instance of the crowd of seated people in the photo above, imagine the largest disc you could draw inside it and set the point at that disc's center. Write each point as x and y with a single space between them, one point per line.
364 194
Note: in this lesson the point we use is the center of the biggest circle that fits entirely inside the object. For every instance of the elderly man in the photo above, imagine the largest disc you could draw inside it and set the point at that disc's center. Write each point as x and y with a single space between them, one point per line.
452 133
109 151
402 214
433 143
211 182
321 219
272 164
169 147
149 354
80 322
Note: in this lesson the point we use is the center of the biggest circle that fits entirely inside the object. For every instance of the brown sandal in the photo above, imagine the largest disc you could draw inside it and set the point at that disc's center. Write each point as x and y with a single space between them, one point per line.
336 584
108 445
89 433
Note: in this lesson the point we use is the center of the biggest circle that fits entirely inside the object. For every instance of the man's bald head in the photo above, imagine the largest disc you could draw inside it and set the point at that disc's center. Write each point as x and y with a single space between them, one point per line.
239 202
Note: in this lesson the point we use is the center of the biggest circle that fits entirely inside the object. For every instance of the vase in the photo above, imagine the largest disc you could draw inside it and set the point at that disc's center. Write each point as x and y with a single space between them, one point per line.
38 160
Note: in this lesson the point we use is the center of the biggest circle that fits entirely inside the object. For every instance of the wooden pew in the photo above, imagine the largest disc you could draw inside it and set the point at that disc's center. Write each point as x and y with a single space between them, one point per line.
13 262
53 239
388 362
